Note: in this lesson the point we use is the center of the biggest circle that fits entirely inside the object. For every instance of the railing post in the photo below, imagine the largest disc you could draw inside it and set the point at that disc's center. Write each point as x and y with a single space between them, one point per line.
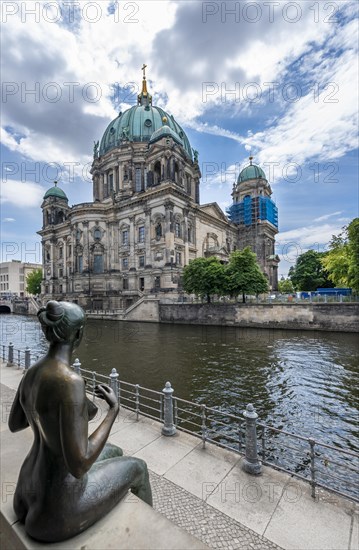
168 427
10 357
3 352
77 366
27 358
251 462
114 382
312 466
137 386
204 425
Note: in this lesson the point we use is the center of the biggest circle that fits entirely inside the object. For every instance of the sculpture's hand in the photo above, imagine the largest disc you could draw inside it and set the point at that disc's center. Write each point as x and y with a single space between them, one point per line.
105 392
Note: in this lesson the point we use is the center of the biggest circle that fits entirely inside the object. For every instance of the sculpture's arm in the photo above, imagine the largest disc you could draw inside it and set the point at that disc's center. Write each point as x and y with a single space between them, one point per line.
79 450
17 418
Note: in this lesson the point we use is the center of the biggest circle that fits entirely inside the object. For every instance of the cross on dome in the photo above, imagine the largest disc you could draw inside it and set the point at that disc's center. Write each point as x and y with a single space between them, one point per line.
144 98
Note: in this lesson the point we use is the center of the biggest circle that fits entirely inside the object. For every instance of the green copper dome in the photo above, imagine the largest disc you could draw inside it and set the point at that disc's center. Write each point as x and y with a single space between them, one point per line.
55 192
138 124
251 172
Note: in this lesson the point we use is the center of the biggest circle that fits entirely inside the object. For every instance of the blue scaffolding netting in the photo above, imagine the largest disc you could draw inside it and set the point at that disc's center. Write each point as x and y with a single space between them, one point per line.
250 210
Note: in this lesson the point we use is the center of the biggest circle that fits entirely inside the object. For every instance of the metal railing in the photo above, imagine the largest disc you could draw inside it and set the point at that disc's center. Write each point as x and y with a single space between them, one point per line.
23 359
321 465
315 462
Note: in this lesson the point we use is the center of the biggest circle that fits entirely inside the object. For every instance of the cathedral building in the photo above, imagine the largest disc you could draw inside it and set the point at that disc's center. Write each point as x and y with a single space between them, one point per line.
146 221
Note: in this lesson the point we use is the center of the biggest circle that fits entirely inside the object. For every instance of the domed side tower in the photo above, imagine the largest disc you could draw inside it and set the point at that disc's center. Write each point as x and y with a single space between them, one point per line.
55 206
256 215
56 220
126 159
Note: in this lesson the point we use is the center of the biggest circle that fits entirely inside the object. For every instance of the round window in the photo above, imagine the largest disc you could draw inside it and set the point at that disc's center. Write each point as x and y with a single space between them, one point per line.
148 122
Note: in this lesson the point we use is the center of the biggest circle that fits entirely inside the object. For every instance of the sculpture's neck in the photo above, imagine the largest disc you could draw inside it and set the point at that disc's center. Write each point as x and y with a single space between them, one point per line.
61 351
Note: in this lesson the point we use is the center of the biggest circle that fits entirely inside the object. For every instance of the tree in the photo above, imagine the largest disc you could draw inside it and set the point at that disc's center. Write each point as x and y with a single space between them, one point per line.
309 273
204 277
33 281
342 259
285 286
243 274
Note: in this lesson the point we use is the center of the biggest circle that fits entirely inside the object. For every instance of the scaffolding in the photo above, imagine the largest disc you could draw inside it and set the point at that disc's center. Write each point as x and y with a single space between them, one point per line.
250 210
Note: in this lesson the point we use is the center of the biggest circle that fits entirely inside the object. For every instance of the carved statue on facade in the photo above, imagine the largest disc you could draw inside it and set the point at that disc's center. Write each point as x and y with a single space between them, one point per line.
195 155
95 149
69 479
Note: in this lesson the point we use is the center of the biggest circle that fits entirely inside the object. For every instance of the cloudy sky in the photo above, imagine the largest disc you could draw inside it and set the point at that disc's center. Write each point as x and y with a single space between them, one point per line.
277 79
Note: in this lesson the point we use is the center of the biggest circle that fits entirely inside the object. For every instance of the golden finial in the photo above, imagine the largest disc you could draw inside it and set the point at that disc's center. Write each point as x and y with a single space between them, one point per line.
164 120
250 160
144 98
144 83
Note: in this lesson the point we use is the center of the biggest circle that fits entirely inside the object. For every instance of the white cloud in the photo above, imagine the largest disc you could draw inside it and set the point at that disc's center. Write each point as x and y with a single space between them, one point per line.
9 220
21 193
308 236
325 128
327 216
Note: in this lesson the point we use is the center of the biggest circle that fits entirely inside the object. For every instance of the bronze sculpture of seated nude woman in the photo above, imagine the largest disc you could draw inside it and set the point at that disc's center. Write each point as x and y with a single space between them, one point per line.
69 479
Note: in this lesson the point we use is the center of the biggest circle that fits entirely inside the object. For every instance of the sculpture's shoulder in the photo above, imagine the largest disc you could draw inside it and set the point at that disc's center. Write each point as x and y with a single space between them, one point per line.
53 378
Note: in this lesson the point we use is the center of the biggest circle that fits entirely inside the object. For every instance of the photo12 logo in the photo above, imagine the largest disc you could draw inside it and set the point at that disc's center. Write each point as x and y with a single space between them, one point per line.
270 12
70 11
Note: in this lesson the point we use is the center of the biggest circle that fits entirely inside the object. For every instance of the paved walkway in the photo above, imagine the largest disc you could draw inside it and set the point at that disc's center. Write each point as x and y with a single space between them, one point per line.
205 491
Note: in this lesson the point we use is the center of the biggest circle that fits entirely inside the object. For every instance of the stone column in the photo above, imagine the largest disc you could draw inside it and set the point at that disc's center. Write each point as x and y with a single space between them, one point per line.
107 251
86 249
131 262
148 258
169 234
105 185
112 245
65 270
101 185
120 176
185 237
52 257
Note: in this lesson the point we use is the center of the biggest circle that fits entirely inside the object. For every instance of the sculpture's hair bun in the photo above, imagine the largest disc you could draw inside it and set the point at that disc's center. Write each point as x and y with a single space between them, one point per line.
54 311
61 320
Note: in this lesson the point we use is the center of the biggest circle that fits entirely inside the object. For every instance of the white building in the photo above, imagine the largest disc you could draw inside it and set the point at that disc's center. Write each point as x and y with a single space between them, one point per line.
13 277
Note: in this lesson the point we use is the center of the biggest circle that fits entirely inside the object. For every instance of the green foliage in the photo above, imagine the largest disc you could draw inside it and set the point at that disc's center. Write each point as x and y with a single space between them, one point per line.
342 260
309 273
33 281
285 286
204 277
242 275
353 238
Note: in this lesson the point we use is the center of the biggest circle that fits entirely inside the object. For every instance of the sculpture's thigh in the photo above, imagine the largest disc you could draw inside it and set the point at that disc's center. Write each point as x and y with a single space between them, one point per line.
108 481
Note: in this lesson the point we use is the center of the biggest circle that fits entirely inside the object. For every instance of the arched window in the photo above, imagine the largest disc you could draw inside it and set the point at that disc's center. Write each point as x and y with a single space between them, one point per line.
176 172
158 231
97 233
177 229
157 173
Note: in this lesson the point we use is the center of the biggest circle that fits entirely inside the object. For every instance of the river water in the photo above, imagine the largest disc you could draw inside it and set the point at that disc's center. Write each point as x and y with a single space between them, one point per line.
304 382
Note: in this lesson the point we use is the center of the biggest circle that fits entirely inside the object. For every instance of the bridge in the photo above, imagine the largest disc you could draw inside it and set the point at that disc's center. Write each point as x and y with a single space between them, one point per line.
6 306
